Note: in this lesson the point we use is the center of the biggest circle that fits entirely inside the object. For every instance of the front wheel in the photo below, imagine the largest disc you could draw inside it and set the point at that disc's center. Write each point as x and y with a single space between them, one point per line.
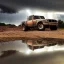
40 26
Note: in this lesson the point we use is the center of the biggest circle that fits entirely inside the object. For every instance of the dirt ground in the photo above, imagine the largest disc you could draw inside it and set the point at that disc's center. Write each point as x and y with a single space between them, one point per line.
17 35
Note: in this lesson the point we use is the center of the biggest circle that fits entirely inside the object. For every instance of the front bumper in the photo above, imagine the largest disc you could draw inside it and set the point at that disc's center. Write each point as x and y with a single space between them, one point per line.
51 24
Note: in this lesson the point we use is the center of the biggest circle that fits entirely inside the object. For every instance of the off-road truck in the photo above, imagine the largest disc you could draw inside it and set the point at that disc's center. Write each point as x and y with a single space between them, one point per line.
39 22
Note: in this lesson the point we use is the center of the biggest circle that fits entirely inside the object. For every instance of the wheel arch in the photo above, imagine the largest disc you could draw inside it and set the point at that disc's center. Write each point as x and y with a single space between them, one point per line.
39 22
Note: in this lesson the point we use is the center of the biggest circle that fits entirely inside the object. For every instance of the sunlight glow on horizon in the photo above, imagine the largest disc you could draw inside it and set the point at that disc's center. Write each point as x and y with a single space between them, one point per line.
46 14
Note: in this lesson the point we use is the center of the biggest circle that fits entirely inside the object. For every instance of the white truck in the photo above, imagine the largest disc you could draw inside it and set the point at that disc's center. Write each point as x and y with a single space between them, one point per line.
40 23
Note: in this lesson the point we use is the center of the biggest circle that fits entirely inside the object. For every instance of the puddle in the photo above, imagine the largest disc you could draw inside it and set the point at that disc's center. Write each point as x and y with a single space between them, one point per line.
27 46
27 49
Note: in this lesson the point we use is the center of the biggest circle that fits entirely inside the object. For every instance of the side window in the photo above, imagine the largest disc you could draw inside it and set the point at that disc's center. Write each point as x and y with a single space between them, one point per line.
30 18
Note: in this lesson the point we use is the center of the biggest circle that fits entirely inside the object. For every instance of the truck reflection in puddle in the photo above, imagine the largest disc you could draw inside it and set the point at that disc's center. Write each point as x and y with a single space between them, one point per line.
30 46
37 44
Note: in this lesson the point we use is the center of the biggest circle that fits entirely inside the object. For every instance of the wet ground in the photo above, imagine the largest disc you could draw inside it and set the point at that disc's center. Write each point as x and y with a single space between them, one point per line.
20 35
20 52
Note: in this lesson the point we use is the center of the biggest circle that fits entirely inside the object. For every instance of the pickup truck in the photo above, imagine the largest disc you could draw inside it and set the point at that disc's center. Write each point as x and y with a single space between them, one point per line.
40 23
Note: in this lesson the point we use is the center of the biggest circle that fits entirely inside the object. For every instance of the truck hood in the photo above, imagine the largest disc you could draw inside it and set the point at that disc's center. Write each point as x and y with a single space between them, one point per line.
41 19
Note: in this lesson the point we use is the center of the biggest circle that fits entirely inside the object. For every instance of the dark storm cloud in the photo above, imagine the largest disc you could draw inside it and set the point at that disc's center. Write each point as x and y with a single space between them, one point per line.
43 4
5 9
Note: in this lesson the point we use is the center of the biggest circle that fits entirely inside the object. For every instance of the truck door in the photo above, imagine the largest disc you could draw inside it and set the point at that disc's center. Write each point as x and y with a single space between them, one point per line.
30 21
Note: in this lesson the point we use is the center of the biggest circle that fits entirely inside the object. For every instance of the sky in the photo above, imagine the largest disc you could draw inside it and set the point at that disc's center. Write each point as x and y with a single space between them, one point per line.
16 11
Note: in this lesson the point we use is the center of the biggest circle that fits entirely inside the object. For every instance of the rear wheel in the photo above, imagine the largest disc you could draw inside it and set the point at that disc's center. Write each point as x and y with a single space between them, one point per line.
40 26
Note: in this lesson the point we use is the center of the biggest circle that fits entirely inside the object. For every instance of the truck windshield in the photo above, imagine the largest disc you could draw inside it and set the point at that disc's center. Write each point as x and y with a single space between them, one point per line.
36 17
42 17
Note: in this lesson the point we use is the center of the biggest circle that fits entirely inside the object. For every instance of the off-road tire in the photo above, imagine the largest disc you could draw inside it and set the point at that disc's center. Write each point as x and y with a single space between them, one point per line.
40 27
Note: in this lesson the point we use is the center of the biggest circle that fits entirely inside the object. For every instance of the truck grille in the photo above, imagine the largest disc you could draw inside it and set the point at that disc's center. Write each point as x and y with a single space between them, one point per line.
52 20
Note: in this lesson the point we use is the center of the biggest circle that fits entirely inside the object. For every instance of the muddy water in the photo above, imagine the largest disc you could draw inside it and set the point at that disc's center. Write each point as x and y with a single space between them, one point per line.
32 52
